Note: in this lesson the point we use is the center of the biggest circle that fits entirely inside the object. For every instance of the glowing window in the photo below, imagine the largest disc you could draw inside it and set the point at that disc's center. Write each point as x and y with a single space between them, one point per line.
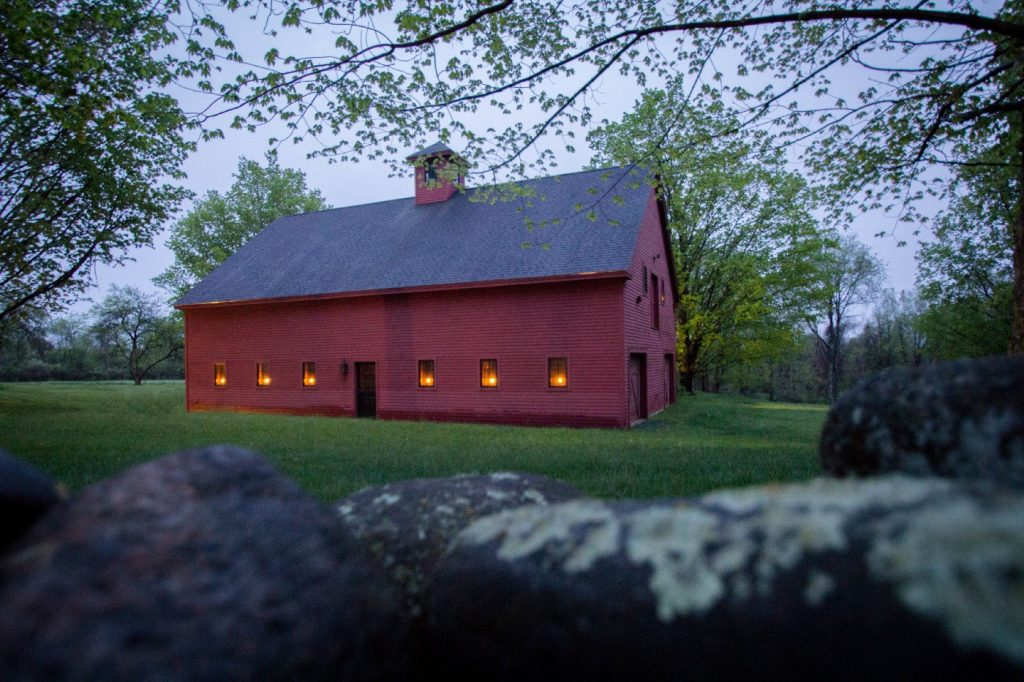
220 374
426 373
558 373
662 291
309 374
262 374
489 373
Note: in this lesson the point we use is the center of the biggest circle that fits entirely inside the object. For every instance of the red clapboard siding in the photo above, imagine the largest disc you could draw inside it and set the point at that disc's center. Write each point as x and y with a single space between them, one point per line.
639 335
521 326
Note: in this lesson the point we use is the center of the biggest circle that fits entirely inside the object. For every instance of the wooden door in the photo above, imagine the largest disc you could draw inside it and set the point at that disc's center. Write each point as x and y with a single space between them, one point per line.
637 387
366 389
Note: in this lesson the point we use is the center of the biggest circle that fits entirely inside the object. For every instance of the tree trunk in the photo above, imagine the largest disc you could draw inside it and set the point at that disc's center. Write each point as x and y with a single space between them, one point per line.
686 378
1017 330
688 358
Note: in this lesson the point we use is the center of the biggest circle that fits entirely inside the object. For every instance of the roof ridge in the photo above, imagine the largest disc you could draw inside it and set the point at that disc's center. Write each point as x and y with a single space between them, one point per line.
471 189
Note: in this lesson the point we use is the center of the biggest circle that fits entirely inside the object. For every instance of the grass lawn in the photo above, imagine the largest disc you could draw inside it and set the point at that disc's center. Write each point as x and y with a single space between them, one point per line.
84 432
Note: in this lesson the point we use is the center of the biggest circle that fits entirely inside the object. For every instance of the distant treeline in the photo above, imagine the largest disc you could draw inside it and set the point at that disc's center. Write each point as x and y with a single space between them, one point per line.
127 336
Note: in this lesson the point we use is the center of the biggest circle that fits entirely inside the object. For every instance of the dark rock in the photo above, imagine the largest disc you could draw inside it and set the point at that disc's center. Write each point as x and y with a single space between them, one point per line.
886 579
407 526
205 564
961 419
25 495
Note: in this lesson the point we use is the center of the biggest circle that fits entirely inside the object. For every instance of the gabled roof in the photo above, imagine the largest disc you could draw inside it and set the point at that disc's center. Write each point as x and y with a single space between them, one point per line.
436 148
584 223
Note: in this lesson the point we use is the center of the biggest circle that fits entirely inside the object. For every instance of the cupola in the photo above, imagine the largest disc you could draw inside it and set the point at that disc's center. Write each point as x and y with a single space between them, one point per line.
440 172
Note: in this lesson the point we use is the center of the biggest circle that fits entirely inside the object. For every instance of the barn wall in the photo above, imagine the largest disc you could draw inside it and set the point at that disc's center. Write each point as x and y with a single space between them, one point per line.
639 334
521 326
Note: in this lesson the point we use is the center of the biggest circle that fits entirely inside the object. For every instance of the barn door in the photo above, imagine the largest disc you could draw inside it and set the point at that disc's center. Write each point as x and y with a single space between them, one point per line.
637 387
366 389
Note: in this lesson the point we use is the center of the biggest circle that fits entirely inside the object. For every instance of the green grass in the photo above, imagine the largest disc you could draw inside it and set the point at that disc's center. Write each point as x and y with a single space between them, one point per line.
83 432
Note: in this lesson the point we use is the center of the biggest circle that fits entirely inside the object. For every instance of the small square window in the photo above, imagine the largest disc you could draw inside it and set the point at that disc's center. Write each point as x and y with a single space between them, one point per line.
309 374
489 373
220 374
558 373
426 373
262 374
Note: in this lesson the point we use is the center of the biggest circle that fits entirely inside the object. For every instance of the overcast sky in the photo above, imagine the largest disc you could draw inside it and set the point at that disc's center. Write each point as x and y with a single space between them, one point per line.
212 165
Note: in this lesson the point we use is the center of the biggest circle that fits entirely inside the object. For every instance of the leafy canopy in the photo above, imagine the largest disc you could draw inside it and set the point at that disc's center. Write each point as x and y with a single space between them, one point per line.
219 224
91 152
745 242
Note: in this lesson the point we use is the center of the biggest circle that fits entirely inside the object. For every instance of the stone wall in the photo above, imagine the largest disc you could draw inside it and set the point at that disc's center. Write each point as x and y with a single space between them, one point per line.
209 564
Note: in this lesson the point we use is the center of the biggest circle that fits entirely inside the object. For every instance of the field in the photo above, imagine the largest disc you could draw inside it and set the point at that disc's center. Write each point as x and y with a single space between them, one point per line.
83 432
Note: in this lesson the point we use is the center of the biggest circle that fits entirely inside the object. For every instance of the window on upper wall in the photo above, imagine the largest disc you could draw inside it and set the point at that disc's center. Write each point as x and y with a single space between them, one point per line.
430 172
655 307
662 291
426 373
262 374
220 374
558 373
644 279
309 374
489 373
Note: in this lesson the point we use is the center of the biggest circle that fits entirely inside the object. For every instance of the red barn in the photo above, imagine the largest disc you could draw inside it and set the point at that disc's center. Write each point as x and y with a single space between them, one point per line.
448 308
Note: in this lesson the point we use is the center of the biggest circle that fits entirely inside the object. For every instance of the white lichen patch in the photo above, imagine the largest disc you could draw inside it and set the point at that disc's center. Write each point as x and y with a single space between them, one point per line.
504 476
387 499
962 565
496 495
829 494
735 545
345 509
528 530
535 496
672 541
819 586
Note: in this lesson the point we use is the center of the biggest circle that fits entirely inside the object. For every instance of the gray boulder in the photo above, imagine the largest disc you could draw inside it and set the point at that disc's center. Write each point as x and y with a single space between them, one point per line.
961 419
25 495
205 564
886 579
407 526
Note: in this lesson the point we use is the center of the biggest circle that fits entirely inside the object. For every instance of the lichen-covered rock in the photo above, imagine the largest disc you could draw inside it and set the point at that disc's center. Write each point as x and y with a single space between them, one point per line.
884 579
205 564
25 495
407 526
961 419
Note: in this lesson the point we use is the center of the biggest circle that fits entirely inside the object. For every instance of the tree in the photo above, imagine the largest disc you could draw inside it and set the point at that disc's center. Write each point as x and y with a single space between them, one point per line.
130 323
966 273
219 224
854 275
919 87
892 336
90 150
744 239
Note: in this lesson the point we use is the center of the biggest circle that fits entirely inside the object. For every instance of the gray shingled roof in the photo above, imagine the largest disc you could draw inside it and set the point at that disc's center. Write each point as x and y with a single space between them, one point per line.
436 148
396 244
